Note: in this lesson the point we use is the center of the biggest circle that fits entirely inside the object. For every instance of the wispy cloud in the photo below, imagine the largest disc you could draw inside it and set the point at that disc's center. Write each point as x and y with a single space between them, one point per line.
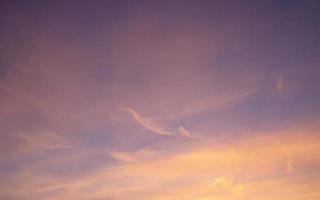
45 140
184 132
152 126
289 166
224 183
123 156
280 85
146 123
209 104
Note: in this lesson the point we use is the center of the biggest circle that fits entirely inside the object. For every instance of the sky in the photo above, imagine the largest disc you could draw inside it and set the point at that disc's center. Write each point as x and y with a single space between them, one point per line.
160 100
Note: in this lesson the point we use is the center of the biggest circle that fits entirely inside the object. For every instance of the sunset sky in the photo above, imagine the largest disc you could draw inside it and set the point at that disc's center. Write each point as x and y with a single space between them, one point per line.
160 100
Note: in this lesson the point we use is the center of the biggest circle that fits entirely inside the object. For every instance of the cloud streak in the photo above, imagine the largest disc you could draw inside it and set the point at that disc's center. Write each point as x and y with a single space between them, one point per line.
131 156
45 141
153 127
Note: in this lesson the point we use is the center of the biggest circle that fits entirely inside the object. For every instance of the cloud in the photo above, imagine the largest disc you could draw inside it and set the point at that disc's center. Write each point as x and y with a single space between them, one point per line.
131 156
184 132
225 183
289 166
280 85
122 156
222 181
46 140
148 124
208 104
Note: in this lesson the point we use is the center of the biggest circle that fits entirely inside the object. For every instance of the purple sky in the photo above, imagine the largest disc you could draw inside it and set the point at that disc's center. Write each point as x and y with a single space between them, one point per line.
159 100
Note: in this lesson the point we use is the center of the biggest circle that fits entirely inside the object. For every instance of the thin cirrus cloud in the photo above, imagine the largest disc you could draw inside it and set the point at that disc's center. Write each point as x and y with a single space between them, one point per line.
280 85
123 156
192 108
45 140
213 103
153 127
